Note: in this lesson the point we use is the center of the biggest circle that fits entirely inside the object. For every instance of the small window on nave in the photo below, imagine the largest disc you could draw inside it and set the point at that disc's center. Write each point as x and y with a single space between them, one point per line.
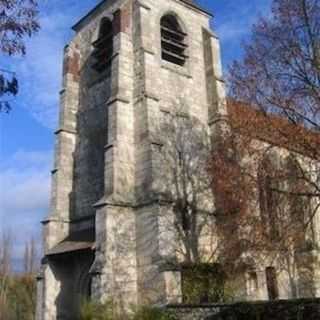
173 44
103 46
252 282
272 283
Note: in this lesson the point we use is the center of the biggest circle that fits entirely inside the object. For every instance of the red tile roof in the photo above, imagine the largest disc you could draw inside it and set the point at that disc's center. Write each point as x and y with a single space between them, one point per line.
273 129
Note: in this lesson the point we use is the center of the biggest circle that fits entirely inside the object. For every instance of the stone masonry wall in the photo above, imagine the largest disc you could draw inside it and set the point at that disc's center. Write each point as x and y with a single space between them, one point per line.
194 312
302 309
106 164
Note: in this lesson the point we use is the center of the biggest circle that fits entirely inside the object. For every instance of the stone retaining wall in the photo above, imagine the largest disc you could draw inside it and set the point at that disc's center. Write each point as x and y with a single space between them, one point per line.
302 309
196 312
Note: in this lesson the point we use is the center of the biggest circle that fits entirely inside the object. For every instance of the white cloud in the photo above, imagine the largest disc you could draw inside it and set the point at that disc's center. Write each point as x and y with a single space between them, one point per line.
235 24
24 191
40 71
24 196
232 30
24 185
29 159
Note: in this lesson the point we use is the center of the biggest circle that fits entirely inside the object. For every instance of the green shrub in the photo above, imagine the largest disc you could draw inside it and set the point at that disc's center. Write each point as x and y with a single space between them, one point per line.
204 283
152 313
18 297
91 310
109 311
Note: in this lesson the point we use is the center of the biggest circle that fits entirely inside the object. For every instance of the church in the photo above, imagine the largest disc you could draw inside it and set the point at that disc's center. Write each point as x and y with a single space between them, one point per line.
134 70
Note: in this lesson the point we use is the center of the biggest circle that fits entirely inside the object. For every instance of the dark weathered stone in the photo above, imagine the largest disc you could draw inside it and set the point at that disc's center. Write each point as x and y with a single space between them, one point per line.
301 309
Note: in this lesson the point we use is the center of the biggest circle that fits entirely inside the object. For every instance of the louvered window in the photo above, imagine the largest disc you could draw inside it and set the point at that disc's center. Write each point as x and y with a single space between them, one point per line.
103 46
173 46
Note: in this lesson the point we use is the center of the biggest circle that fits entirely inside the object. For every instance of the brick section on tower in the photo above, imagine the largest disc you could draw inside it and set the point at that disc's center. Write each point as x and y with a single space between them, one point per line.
122 19
71 65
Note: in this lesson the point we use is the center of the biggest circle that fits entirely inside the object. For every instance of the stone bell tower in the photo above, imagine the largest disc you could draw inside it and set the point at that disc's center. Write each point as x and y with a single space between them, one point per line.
129 62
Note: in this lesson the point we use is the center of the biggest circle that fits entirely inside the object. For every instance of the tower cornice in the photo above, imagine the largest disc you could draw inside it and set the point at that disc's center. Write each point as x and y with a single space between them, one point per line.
100 4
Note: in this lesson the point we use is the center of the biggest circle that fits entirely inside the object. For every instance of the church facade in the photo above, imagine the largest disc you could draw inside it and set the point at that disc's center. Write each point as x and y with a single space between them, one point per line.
128 67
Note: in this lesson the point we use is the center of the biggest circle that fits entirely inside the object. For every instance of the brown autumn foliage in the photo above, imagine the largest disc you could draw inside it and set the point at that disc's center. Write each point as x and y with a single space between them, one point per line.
234 186
263 205
275 98
279 78
270 128
230 190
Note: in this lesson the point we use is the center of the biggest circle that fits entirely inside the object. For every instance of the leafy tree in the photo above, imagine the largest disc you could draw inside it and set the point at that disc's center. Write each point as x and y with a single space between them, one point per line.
18 20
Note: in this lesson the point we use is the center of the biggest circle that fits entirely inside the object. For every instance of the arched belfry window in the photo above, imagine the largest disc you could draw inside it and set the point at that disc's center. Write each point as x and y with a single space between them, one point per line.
103 46
173 46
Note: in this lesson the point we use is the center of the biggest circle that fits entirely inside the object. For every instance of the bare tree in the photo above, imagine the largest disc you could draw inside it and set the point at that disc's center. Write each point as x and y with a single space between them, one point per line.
5 270
18 20
215 191
184 184
5 253
280 75
280 70
17 290
30 257
265 195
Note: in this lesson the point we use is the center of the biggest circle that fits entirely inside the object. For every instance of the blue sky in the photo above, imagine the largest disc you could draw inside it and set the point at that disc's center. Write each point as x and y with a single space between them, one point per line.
26 134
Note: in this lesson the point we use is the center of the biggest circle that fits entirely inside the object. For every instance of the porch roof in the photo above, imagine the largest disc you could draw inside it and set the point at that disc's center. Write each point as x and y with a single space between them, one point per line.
76 241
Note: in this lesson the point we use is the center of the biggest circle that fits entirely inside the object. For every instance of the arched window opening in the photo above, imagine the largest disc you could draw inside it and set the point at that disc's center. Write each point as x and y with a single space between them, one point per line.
173 44
299 203
252 282
269 199
103 46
